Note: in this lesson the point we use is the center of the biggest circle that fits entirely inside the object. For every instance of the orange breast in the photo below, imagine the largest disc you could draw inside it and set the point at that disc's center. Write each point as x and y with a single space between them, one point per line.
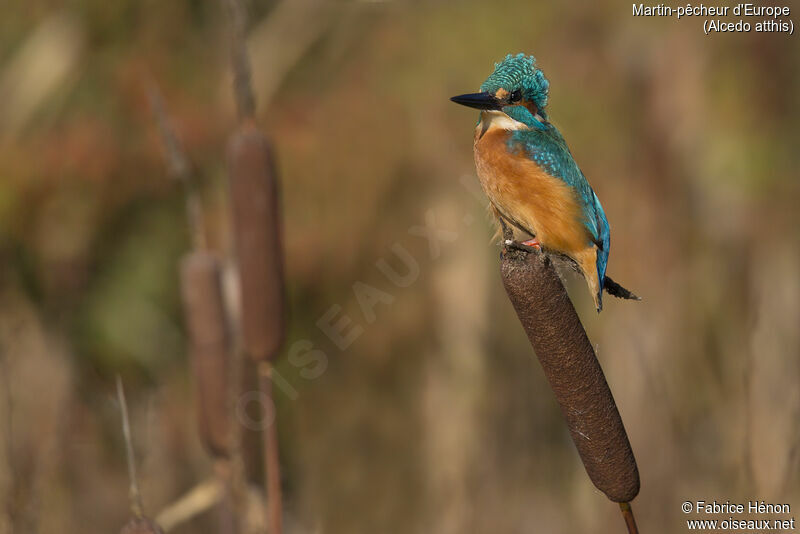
539 203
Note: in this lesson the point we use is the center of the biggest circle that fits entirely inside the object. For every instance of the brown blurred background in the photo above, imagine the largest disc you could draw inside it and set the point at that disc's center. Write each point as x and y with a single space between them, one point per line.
436 418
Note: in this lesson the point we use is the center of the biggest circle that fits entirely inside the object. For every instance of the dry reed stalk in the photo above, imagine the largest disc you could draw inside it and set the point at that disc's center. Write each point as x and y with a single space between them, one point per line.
133 490
574 374
209 337
139 523
192 503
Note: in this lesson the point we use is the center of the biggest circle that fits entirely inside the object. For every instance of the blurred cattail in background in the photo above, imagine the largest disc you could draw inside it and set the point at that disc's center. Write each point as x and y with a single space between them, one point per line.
219 377
259 257
207 324
257 236
210 349
253 186
209 341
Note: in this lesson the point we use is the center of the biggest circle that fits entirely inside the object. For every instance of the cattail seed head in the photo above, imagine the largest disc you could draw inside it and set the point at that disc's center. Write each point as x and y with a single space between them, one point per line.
201 285
257 236
575 375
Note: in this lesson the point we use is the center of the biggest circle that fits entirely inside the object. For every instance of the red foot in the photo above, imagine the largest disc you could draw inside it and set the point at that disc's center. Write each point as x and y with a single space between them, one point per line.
533 243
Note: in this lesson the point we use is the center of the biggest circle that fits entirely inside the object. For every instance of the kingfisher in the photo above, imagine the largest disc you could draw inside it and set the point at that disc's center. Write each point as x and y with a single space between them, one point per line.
530 177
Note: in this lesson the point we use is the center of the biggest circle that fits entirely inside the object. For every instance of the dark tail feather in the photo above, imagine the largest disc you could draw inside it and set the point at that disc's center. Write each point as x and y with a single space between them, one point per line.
616 290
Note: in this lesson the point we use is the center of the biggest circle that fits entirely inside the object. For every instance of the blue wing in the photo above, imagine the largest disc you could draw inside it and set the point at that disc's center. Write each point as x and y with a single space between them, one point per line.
549 150
604 235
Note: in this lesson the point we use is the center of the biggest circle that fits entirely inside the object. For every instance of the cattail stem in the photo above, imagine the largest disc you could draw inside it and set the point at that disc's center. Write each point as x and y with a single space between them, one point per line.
243 92
571 367
227 517
627 515
272 467
179 167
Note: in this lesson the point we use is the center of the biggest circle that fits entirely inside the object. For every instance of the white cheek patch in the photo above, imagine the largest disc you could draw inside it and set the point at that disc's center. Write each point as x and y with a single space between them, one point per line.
498 119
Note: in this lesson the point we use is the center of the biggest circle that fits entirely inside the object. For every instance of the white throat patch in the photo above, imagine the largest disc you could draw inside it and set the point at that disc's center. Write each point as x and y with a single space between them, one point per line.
497 119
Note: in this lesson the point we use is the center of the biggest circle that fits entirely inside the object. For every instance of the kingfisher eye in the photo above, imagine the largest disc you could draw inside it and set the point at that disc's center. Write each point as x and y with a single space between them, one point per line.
516 96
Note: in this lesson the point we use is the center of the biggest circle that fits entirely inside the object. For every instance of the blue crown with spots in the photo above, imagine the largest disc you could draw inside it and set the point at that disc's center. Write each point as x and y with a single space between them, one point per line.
520 72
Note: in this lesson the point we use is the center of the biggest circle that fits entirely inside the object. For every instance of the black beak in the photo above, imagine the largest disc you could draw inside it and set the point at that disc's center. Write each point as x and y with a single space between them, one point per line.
478 101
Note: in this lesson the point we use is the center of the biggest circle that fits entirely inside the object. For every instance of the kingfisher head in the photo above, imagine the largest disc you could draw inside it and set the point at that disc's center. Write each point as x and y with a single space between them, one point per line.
517 88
